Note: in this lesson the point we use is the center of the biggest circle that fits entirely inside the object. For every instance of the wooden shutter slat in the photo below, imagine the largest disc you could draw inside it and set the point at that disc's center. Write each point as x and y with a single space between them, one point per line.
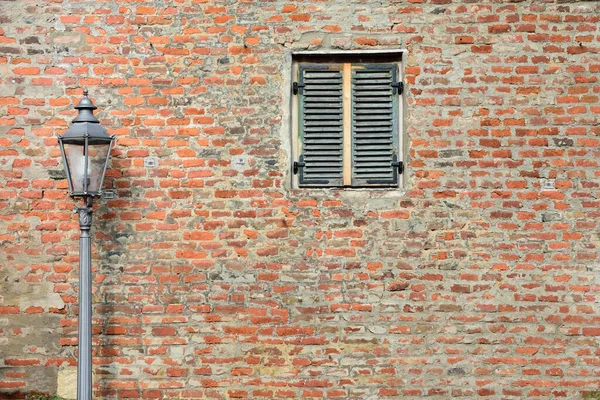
372 106
374 123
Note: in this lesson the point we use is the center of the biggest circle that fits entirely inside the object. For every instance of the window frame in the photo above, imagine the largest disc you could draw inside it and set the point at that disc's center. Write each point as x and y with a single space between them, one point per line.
355 59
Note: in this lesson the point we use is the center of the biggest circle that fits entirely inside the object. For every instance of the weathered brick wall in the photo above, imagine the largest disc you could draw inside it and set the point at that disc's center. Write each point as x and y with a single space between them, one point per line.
215 279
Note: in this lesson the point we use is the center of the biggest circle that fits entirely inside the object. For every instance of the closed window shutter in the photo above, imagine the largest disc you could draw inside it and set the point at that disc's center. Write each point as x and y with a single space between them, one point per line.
321 126
374 126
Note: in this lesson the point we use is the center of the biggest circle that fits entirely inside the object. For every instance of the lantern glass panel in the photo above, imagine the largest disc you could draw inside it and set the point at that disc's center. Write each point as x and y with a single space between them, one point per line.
76 161
98 157
93 174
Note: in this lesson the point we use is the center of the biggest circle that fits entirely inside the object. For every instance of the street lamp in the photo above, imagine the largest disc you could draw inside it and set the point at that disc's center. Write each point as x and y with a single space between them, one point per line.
85 149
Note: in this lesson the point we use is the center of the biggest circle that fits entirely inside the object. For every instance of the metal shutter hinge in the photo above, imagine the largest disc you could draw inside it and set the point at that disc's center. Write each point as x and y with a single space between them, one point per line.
298 165
397 86
400 166
297 87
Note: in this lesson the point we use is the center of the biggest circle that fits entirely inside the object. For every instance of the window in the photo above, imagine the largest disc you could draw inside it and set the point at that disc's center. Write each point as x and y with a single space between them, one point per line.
347 122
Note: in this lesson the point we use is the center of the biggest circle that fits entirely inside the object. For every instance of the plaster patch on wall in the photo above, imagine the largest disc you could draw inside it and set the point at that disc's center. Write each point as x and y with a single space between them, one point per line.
25 295
66 382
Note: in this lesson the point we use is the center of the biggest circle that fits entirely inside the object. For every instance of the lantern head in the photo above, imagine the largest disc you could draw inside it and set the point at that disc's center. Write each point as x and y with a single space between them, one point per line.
85 149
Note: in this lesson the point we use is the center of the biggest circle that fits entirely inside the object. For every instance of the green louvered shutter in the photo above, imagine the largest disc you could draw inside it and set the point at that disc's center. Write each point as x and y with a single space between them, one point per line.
374 126
321 126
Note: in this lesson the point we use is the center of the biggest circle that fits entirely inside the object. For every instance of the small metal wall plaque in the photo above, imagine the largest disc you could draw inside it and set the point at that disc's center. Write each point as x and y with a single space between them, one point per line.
548 184
239 163
150 162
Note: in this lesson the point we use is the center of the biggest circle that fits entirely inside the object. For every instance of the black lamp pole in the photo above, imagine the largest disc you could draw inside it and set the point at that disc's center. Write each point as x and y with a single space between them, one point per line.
84 363
85 149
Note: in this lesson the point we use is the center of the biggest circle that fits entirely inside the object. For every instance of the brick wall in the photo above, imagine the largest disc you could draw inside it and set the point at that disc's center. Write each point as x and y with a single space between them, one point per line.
215 279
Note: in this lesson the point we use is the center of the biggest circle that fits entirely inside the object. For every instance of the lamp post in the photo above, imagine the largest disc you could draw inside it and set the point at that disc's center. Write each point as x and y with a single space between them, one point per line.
85 149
